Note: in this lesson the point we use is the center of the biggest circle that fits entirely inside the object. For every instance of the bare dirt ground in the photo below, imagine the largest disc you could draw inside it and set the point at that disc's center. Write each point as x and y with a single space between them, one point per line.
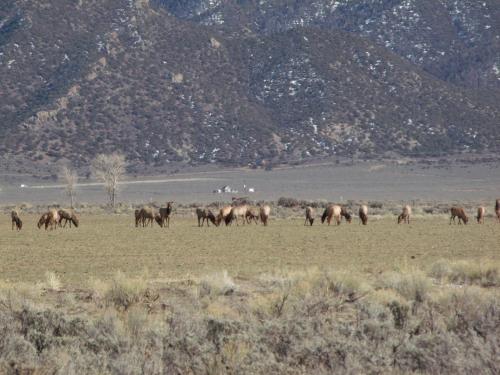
370 181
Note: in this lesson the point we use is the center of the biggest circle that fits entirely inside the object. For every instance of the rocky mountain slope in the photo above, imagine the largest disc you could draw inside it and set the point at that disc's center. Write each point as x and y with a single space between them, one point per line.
247 82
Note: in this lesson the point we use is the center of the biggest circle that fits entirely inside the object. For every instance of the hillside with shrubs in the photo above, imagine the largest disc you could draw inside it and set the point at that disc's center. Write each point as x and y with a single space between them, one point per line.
247 83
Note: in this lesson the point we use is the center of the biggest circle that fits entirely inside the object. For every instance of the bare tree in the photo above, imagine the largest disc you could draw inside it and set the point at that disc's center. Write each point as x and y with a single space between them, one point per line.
109 169
70 177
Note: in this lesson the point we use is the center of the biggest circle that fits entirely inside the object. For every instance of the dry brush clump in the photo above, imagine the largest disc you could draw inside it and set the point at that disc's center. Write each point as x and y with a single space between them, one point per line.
314 321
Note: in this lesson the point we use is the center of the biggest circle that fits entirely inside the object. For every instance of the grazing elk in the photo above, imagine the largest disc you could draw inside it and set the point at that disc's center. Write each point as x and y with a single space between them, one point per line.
460 213
405 215
205 214
363 214
332 211
264 212
346 215
225 214
43 219
16 220
51 219
251 215
497 209
310 214
165 213
67 216
158 220
481 211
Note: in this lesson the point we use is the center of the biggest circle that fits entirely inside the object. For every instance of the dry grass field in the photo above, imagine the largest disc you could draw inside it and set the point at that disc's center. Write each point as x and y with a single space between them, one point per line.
105 244
109 298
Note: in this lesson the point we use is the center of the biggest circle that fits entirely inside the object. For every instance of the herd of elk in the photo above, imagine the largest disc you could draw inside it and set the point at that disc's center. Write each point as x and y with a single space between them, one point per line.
240 212
148 216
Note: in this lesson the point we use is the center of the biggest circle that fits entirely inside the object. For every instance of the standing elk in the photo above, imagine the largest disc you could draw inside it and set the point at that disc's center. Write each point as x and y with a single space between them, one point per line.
460 213
481 211
67 216
497 209
363 214
165 213
16 220
332 211
239 211
310 214
147 216
405 215
264 212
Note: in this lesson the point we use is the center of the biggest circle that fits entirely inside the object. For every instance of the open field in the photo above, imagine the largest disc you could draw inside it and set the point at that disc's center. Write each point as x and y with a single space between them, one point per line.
109 298
104 244
369 181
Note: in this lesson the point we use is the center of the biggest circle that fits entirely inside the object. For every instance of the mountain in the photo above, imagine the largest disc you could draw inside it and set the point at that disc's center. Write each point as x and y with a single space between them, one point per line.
246 82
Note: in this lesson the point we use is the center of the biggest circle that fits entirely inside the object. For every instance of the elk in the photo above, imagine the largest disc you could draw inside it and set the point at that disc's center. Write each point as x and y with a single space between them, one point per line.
224 214
147 215
481 211
497 209
67 216
239 211
43 219
251 215
264 212
346 215
16 220
205 214
138 217
363 214
332 211
165 213
460 213
310 214
405 215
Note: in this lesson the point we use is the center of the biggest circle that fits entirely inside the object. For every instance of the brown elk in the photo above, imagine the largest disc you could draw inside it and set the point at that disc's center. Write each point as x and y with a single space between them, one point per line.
497 209
147 216
363 214
460 213
239 211
165 213
332 211
251 215
346 215
67 216
225 214
264 212
405 215
43 219
51 219
138 217
481 211
310 214
159 220
205 214
16 220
